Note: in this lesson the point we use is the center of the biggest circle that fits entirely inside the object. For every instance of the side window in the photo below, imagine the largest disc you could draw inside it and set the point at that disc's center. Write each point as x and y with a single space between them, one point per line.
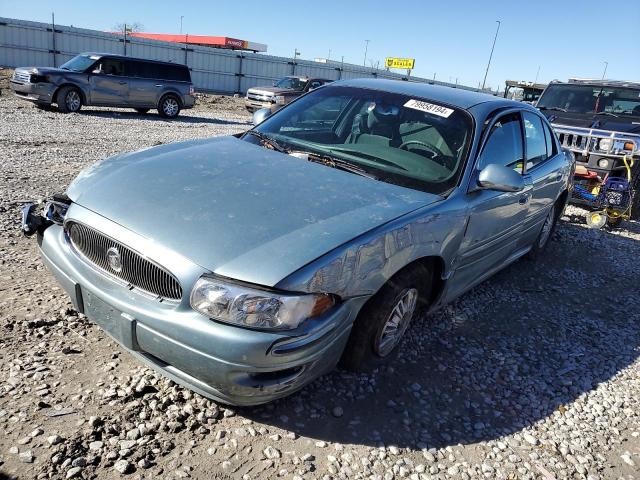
504 145
315 84
112 66
551 145
536 142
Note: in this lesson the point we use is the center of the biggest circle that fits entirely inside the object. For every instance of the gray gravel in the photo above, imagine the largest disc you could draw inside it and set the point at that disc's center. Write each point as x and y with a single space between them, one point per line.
534 374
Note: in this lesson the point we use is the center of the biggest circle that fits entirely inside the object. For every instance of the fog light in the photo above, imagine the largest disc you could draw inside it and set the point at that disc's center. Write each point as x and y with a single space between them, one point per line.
603 163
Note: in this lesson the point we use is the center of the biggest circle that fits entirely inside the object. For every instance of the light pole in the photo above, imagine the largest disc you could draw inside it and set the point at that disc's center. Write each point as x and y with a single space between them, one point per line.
366 47
491 55
537 74
181 17
329 56
606 64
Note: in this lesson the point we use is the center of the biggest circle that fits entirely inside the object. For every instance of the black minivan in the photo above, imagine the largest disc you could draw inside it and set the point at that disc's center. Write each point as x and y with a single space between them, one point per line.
108 80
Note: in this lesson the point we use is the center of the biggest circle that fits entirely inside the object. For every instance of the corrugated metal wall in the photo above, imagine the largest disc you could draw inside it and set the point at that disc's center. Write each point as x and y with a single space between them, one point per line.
24 43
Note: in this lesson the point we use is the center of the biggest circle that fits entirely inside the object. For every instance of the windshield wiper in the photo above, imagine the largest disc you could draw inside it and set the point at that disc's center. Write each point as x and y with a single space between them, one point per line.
268 141
607 113
334 162
555 109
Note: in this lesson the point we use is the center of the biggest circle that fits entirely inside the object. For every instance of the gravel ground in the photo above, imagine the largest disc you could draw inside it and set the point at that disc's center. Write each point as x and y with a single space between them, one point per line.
533 374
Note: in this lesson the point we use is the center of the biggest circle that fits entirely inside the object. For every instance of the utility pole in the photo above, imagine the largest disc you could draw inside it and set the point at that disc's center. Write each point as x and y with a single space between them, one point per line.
537 74
181 17
366 47
329 56
606 64
53 37
491 55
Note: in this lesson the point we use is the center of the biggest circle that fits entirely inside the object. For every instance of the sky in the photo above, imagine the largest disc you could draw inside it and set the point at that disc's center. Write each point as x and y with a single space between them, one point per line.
449 38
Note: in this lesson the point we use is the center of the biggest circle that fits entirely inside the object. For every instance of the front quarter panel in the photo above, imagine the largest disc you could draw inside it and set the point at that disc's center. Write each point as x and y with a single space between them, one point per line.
362 266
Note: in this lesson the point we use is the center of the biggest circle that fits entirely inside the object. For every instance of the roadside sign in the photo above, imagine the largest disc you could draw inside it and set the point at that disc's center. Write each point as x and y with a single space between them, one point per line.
392 62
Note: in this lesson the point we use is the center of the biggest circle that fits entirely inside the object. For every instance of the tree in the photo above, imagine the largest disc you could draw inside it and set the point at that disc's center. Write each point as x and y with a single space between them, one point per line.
131 27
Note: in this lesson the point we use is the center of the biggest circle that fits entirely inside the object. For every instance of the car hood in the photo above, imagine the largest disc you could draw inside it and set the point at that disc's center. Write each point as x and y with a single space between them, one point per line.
272 91
238 209
44 70
600 122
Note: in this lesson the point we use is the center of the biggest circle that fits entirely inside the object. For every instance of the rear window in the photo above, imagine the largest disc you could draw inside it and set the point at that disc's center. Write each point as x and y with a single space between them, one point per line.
159 71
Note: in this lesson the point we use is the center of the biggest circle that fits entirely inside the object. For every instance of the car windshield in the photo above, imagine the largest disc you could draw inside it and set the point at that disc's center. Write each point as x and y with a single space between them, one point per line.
591 99
80 63
291 83
413 142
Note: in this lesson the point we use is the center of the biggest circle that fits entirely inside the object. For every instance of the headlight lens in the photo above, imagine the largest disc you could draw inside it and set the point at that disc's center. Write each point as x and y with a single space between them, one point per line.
254 308
605 144
279 99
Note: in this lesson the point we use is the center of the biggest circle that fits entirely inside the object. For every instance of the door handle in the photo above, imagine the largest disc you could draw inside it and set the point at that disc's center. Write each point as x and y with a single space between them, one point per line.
523 199
158 85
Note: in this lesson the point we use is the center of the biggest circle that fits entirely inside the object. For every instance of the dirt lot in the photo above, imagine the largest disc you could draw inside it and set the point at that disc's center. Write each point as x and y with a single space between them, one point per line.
534 374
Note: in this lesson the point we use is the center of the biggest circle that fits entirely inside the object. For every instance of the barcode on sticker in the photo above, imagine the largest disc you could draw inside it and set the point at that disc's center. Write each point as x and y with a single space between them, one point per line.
429 108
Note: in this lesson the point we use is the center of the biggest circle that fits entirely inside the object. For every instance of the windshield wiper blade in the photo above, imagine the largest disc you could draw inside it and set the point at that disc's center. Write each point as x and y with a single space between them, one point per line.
334 162
555 109
268 141
607 113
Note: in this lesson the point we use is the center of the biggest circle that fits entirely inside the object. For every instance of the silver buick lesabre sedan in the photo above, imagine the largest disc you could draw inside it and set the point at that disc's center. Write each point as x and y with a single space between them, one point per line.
245 267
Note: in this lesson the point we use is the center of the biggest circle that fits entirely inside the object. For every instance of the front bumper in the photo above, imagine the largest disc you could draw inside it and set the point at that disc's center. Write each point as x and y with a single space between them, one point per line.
34 92
225 363
254 105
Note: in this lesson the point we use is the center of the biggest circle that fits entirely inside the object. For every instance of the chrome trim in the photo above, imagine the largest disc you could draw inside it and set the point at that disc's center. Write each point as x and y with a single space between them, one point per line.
22 76
137 271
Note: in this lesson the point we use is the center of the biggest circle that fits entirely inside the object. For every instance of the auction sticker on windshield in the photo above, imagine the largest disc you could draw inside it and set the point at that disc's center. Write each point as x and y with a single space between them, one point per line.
429 108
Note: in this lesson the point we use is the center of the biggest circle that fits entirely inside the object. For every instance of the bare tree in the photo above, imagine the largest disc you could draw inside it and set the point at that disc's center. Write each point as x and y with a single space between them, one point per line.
131 27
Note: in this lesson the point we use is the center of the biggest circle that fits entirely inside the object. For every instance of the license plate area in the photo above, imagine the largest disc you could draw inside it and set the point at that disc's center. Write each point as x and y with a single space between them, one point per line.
121 326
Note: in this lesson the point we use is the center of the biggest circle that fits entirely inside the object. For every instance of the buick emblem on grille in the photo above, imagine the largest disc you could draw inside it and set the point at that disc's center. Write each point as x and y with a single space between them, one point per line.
114 259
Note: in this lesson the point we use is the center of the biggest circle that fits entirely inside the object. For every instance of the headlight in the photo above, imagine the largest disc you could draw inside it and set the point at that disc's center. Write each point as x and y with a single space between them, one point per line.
279 99
254 308
605 144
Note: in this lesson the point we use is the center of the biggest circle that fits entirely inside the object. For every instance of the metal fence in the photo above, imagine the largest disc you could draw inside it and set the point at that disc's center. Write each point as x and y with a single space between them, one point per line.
25 43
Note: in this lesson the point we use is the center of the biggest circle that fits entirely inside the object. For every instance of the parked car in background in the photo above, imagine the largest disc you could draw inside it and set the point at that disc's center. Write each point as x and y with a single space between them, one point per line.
599 120
281 93
245 267
108 80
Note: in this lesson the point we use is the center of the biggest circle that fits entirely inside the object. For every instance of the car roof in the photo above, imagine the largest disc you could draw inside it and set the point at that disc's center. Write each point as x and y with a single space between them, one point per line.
455 97
124 57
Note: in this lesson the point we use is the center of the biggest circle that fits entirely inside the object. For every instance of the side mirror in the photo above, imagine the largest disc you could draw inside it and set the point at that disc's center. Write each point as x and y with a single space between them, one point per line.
260 116
97 71
500 178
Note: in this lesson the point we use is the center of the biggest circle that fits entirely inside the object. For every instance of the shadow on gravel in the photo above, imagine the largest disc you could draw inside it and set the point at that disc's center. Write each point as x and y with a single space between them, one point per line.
511 352
154 117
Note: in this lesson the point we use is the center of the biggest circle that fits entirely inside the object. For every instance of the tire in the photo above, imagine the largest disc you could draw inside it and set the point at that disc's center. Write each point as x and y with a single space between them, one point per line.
142 111
169 106
69 100
614 222
546 232
369 343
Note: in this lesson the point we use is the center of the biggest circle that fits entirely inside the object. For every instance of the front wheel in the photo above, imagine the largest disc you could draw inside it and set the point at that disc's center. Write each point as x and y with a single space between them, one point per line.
69 100
169 106
384 319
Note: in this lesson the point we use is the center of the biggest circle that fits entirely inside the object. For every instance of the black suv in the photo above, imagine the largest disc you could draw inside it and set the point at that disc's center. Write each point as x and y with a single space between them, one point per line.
108 80
599 120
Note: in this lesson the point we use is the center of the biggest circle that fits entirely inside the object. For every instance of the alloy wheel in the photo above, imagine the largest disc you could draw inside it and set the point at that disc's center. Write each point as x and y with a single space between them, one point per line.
170 107
546 228
73 101
396 323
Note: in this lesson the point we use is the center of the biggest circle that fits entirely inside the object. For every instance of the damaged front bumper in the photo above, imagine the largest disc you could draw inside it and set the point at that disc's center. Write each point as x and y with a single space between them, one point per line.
223 362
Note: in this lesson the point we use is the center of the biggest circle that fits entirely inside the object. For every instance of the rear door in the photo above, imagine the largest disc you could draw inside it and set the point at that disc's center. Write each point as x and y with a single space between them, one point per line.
495 219
109 84
544 168
144 83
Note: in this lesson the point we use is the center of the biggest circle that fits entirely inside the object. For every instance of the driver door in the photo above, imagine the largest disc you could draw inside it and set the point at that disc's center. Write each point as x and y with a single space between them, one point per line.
109 85
495 219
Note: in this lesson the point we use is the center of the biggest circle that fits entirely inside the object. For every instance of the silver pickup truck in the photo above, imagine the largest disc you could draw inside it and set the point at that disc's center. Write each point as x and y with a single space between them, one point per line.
108 80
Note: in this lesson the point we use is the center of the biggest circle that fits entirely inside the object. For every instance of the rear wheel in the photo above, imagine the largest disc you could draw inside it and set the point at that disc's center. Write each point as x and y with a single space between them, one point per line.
142 111
169 106
69 100
546 231
384 319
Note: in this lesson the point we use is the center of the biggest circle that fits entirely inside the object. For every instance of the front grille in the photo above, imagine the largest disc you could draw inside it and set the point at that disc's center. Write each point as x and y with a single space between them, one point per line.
258 97
133 268
575 141
22 77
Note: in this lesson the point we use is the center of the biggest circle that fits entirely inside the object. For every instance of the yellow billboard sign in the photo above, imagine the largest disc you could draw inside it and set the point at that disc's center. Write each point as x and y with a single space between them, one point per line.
392 62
